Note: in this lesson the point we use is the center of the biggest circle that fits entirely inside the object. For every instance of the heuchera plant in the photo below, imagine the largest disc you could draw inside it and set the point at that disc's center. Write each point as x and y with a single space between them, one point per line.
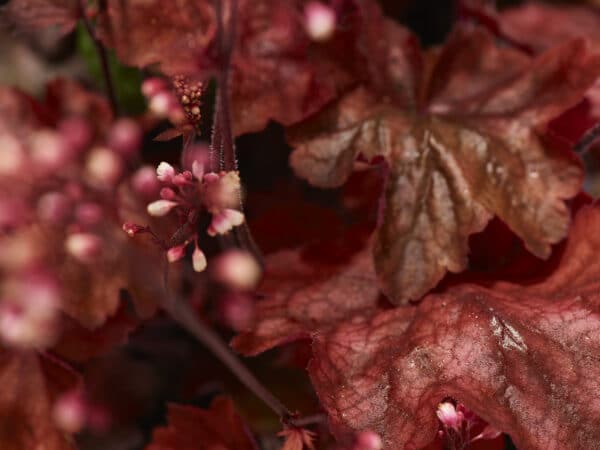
404 230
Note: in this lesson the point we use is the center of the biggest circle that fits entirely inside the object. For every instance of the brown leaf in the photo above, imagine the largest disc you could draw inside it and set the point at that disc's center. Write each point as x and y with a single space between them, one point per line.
475 151
26 405
219 428
522 357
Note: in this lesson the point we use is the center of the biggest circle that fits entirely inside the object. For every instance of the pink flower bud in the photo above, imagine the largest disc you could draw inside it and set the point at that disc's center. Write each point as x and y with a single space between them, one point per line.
448 415
145 183
163 103
368 440
319 21
167 194
221 190
237 311
198 260
160 207
70 411
88 213
83 246
104 167
237 269
48 150
13 155
165 172
152 86
76 133
176 253
125 137
54 208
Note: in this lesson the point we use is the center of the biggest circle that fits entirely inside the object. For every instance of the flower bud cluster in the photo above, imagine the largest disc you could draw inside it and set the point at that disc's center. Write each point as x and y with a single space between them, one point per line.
458 424
188 194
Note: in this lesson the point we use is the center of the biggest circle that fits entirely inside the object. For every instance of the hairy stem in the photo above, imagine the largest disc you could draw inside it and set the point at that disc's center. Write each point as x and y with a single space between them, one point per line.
102 57
184 315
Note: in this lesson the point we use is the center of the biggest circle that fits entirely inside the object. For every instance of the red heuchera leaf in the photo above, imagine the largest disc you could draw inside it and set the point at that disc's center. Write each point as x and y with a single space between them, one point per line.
219 428
179 31
31 14
26 401
528 24
277 72
469 151
522 357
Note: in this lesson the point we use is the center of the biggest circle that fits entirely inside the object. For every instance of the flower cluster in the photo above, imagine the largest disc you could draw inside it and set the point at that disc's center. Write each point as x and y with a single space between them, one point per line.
189 194
458 424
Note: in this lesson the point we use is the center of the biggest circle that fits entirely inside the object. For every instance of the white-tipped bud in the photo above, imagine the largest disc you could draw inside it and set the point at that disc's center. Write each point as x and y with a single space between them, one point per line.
104 167
160 207
449 416
237 269
198 260
48 150
224 221
165 172
319 21
83 246
175 253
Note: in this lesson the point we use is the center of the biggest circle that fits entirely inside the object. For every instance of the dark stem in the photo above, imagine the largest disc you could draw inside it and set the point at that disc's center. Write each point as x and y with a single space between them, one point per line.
102 56
185 316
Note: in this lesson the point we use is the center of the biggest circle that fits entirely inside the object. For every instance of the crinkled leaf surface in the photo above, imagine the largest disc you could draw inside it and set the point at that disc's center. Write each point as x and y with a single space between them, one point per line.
525 358
470 150
190 428
277 72
26 404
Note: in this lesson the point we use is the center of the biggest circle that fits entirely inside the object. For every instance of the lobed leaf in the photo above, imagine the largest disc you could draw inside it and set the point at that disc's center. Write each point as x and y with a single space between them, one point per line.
522 357
472 150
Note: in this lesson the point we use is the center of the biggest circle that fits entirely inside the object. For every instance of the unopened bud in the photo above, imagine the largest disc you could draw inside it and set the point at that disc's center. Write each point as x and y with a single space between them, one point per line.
175 253
198 260
104 167
48 150
237 269
160 207
152 86
224 221
448 415
76 133
83 246
125 137
144 182
165 172
53 207
167 194
88 213
319 21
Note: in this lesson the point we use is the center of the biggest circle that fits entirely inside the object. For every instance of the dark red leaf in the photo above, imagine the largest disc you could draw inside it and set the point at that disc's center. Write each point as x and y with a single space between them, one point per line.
522 357
190 428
